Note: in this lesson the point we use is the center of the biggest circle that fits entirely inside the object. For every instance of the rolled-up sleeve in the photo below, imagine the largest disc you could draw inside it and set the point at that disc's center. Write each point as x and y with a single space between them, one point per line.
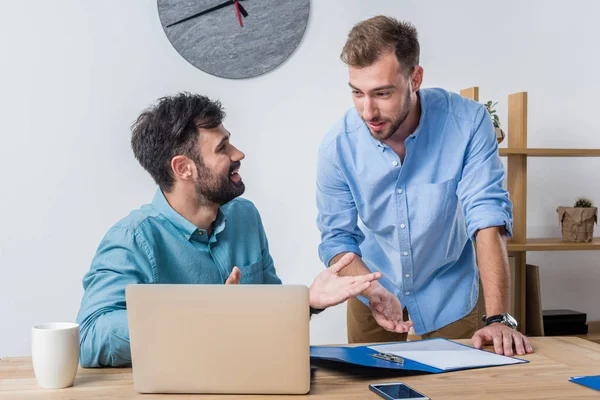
484 200
337 215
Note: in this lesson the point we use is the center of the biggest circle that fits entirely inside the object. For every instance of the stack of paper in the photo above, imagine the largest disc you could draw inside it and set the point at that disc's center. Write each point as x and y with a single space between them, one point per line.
444 354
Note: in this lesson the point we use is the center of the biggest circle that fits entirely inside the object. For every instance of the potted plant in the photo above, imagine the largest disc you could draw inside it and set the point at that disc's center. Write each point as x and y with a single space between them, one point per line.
577 223
496 120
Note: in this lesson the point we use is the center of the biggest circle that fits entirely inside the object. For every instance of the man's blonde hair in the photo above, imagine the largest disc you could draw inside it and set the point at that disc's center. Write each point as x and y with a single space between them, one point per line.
370 39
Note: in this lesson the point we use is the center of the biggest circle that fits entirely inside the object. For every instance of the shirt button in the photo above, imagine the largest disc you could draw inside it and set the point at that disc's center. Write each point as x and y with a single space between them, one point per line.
395 163
407 293
405 253
200 233
399 191
407 275
402 226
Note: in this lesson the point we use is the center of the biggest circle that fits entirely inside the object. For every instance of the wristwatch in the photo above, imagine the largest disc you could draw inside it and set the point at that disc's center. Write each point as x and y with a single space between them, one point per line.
314 311
505 319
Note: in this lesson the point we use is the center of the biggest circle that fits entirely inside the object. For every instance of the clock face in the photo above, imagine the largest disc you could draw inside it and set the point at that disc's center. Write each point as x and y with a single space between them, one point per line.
234 39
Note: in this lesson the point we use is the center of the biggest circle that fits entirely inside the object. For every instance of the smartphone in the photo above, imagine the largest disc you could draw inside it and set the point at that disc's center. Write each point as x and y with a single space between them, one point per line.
397 391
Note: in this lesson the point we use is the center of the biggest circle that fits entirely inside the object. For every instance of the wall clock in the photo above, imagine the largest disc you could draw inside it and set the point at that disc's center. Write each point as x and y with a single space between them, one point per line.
234 38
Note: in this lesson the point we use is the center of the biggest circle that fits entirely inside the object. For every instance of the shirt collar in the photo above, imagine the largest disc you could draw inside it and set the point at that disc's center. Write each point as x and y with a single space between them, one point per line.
219 226
188 229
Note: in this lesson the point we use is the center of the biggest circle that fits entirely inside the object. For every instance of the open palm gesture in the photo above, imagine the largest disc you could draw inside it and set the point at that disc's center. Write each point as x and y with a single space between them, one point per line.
329 289
387 310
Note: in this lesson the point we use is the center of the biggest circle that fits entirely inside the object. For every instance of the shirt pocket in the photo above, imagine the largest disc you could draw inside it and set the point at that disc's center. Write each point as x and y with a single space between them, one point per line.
252 273
432 204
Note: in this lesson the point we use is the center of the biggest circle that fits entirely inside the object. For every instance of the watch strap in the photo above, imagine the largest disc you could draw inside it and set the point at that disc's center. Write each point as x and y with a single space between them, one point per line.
314 311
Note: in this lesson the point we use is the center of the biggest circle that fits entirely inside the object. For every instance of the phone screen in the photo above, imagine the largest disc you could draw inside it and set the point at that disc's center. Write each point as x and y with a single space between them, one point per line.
398 391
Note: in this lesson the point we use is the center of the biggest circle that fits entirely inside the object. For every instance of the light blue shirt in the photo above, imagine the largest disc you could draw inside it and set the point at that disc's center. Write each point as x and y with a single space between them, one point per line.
415 221
155 244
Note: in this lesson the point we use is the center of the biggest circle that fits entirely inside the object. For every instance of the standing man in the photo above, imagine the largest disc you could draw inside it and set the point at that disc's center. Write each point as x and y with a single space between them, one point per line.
410 180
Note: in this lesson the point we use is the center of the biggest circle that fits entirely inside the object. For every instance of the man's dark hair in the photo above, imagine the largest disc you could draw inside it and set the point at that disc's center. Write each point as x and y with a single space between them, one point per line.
170 128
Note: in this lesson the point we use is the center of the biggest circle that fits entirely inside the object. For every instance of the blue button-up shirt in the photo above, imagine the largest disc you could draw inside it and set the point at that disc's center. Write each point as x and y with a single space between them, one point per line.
415 221
155 244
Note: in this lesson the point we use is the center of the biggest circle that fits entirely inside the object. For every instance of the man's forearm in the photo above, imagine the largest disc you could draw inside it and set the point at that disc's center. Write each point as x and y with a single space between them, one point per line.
492 260
356 267
105 343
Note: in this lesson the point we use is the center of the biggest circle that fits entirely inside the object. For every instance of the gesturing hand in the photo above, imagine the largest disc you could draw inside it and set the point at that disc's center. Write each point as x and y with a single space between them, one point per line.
329 289
234 277
387 310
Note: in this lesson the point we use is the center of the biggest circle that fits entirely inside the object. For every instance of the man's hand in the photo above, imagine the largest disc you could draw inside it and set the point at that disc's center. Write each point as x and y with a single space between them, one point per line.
329 289
234 277
504 339
387 310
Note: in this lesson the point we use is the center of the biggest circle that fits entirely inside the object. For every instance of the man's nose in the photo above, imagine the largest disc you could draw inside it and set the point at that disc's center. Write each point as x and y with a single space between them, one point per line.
237 155
369 109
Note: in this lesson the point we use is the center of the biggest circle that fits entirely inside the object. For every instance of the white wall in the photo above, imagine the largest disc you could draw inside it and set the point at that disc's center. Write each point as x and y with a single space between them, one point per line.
74 75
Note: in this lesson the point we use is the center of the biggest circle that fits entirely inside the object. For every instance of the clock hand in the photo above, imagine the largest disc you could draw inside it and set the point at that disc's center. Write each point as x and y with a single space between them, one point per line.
217 7
237 10
242 9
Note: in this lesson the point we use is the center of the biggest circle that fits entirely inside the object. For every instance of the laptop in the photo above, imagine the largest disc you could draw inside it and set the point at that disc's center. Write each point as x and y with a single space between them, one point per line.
236 339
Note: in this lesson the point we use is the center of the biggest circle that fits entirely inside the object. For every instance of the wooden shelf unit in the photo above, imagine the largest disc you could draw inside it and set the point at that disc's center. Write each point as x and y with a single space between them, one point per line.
550 152
552 244
517 153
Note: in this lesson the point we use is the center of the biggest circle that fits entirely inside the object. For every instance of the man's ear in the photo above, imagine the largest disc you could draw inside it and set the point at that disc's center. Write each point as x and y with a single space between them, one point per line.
416 78
182 167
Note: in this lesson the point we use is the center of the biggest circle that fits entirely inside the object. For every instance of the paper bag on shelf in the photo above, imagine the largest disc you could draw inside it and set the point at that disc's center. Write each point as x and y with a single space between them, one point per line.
577 223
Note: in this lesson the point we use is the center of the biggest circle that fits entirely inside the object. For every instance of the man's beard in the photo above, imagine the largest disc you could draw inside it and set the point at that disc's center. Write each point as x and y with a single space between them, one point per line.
211 188
399 120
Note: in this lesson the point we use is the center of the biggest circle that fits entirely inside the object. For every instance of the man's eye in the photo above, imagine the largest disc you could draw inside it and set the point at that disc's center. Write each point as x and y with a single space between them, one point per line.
383 94
356 93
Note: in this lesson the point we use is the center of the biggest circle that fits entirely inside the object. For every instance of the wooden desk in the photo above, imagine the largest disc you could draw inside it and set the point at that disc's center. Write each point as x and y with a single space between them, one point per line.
545 377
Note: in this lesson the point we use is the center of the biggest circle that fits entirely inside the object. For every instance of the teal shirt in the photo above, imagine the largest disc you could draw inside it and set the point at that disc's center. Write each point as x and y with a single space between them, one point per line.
155 244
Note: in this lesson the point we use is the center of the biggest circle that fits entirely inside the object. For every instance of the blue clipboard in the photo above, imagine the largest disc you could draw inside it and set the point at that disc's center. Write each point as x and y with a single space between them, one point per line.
593 382
365 357
368 356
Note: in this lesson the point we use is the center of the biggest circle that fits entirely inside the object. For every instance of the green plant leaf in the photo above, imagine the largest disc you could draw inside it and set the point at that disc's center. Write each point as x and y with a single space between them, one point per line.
583 202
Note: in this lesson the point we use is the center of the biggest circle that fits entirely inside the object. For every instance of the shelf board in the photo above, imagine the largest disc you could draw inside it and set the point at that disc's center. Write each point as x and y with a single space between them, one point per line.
553 244
550 152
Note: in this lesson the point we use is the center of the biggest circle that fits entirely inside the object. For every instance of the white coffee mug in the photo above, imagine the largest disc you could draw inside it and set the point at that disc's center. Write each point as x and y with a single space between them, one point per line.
55 354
